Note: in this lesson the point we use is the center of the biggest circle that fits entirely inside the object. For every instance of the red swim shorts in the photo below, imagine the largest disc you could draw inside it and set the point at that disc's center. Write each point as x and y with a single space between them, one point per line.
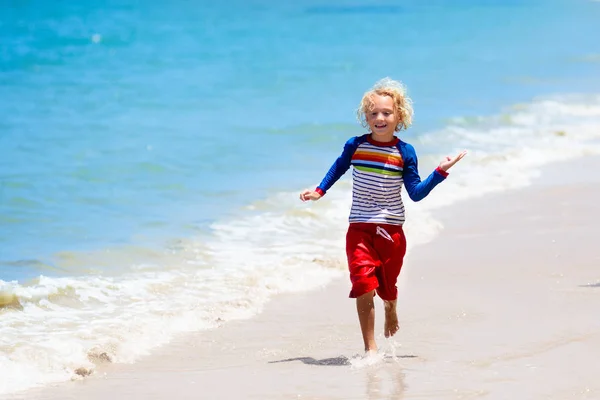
375 255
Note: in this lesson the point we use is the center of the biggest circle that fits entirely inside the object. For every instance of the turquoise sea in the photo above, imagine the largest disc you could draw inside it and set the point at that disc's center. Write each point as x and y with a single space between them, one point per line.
151 152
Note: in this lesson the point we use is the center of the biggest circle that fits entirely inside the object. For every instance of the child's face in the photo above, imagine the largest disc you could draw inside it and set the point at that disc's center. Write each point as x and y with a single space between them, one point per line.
381 118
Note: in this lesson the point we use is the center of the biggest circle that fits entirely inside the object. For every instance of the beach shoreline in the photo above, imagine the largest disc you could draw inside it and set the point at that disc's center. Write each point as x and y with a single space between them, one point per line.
500 305
152 243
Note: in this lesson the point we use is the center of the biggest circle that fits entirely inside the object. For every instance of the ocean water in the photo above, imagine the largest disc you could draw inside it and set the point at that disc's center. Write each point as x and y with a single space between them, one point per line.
151 153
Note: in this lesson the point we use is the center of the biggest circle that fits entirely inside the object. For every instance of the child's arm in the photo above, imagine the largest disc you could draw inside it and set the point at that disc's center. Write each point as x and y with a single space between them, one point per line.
417 189
339 168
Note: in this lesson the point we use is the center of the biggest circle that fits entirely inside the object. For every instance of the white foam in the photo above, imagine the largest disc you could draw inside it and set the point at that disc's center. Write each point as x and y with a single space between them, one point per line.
229 275
507 151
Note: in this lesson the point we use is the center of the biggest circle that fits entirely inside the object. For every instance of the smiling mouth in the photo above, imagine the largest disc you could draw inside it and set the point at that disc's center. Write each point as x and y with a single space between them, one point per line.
381 126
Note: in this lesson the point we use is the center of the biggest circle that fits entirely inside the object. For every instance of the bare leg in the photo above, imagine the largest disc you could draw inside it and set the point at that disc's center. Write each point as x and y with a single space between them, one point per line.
391 318
366 315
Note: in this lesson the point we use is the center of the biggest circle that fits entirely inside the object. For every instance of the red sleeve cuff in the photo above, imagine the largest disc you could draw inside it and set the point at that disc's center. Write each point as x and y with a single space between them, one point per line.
318 190
442 172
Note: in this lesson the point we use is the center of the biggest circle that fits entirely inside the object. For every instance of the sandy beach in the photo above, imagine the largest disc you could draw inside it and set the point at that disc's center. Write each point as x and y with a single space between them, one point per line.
503 304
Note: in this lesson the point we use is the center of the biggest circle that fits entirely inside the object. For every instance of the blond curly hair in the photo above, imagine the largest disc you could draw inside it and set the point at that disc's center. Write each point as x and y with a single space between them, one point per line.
402 103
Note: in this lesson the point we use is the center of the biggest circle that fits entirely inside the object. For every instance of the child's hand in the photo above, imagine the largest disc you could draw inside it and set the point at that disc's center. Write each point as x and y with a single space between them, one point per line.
309 195
450 161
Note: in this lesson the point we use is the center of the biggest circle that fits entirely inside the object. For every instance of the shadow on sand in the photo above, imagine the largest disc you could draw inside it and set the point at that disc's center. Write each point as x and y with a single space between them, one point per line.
382 380
591 285
335 361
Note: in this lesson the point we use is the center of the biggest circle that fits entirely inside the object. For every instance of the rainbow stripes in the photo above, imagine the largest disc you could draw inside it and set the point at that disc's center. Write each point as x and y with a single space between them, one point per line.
377 184
383 160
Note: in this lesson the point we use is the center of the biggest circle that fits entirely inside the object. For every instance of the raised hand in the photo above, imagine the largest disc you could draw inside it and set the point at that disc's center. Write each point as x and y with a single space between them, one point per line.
448 162
309 195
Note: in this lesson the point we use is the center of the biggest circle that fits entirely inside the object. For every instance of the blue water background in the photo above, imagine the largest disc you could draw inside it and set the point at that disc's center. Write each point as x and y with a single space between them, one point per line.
130 122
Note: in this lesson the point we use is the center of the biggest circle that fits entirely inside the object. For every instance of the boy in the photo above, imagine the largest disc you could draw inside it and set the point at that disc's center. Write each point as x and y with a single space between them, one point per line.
375 242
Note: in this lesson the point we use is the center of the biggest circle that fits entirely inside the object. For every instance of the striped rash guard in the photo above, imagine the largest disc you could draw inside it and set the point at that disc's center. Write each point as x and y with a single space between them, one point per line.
380 171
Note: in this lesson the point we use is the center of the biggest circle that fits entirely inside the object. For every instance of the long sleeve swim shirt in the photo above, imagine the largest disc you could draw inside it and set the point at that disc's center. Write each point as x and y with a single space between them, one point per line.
380 170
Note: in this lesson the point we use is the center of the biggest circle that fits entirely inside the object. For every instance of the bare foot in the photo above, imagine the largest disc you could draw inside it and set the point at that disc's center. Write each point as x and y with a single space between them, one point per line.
391 319
370 353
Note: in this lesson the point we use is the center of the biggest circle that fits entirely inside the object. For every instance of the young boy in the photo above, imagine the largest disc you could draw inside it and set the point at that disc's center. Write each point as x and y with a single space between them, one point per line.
375 242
